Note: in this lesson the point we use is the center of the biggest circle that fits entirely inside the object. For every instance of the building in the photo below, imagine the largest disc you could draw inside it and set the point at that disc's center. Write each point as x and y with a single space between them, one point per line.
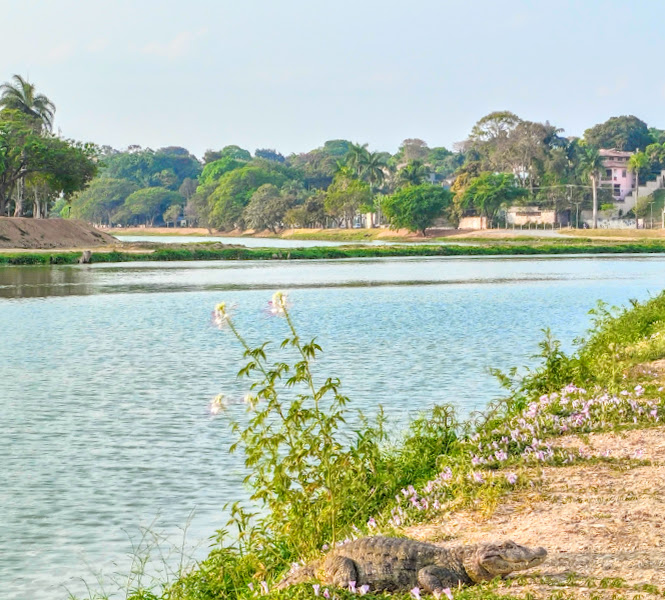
616 176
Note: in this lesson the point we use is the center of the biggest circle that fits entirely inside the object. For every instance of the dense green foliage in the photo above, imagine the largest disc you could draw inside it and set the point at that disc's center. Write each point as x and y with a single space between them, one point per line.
416 207
505 161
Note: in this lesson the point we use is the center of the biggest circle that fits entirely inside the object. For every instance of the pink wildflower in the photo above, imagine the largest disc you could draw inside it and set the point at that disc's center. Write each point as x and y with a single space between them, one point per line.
363 589
316 587
415 592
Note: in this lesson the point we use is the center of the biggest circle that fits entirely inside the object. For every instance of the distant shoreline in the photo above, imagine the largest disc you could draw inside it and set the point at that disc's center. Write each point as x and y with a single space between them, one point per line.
219 251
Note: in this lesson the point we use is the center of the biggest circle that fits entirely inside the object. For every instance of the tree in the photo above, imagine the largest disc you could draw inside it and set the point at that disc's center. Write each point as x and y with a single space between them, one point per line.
310 214
490 138
414 173
54 166
234 190
591 164
356 158
172 214
345 196
269 154
638 162
147 205
266 208
101 199
412 149
489 192
21 95
416 207
623 133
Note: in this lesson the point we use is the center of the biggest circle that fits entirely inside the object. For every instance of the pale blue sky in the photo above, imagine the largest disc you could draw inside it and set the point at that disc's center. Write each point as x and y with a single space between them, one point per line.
291 74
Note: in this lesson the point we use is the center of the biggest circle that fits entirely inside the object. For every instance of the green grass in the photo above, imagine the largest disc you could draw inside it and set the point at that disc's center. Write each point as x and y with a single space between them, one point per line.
210 252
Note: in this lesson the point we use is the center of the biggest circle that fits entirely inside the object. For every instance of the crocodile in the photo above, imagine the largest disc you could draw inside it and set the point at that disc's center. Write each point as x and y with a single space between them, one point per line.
400 564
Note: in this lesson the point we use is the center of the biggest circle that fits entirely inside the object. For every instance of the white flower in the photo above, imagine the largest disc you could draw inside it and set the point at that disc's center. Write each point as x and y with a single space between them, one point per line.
279 304
221 315
218 404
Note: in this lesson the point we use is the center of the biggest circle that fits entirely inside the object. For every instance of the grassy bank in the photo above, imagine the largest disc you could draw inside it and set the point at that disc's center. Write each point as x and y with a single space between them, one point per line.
218 252
611 385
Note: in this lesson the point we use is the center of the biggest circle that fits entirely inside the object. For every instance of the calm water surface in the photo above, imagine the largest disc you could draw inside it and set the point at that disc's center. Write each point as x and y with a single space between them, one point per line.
252 242
107 371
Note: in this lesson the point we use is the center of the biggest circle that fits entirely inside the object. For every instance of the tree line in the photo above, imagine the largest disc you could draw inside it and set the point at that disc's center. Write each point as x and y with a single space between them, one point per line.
504 161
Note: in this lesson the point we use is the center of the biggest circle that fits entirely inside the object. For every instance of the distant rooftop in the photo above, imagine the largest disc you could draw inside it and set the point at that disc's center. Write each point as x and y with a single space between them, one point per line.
614 152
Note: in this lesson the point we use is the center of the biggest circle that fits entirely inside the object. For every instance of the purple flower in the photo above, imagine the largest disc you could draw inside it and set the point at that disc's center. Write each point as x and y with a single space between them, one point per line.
415 592
371 523
478 477
326 593
363 589
352 587
264 587
511 478
316 588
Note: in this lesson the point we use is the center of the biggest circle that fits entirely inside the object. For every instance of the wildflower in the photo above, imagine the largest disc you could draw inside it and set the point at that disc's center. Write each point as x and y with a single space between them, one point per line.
511 478
478 477
220 315
279 304
217 405
326 593
363 589
444 592
371 522
316 588
501 455
415 592
264 588
250 585
325 547
352 587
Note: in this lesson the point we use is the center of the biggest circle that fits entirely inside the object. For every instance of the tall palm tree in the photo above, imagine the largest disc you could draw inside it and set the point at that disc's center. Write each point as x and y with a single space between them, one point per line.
356 157
373 169
413 174
20 95
591 163
638 162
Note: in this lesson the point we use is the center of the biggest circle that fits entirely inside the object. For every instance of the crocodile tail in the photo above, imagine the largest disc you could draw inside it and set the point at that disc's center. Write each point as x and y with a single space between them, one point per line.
300 575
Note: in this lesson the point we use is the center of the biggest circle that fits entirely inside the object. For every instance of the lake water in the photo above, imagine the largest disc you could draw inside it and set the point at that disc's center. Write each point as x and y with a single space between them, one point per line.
250 242
107 371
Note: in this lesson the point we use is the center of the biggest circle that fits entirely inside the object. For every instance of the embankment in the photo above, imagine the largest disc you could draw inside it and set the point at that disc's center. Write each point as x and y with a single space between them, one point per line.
33 234
217 251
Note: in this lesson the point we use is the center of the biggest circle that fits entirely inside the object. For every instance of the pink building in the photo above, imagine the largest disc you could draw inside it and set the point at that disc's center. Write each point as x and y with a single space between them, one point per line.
616 175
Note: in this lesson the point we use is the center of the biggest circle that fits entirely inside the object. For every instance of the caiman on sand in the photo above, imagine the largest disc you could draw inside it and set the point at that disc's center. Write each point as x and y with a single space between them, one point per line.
394 564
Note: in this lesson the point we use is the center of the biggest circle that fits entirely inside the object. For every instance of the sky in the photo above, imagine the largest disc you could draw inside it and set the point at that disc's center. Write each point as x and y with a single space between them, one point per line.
289 75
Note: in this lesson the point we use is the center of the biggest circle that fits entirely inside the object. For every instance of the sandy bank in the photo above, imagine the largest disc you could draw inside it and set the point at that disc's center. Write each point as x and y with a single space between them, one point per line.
34 234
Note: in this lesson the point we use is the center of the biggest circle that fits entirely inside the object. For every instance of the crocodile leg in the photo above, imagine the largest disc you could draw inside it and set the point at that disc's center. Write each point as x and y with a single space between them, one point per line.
341 570
434 578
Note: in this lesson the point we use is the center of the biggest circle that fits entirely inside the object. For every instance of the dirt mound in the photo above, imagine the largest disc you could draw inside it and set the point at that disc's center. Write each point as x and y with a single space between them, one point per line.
16 232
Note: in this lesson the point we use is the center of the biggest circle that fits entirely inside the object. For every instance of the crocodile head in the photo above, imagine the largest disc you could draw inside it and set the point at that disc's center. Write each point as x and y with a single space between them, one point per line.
488 561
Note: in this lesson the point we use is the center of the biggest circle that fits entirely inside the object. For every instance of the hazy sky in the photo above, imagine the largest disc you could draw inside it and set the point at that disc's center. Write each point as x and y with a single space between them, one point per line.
291 74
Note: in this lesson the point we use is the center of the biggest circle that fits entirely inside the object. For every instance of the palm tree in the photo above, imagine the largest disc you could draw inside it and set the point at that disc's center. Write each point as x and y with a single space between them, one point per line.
413 174
591 163
373 169
356 157
20 95
638 162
